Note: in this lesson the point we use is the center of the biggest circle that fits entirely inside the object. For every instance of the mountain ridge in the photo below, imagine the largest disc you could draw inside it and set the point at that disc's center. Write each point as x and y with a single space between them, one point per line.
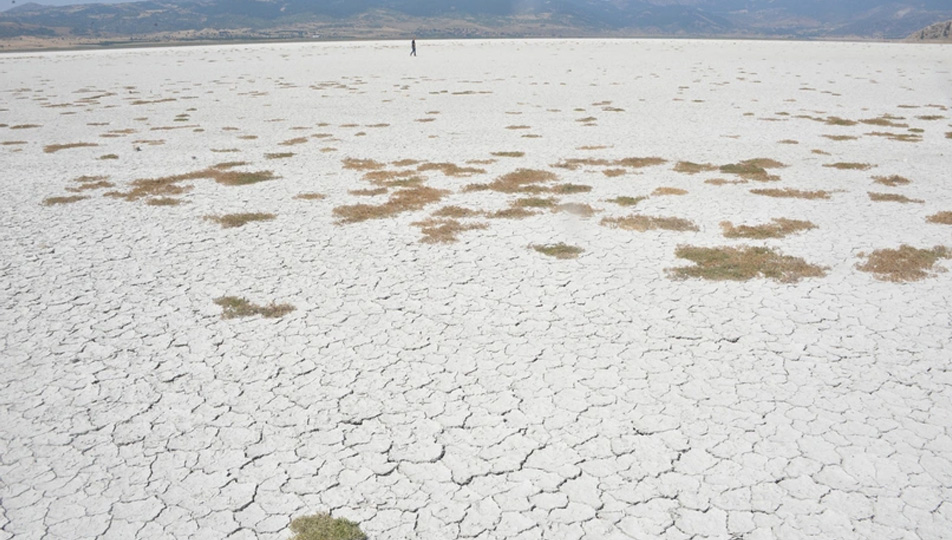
357 19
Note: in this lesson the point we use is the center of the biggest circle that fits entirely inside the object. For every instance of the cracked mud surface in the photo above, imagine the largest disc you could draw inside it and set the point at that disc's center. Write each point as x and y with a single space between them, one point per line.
474 389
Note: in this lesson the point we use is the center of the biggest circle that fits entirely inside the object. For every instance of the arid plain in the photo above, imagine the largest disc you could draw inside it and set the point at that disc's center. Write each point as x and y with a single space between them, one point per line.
505 289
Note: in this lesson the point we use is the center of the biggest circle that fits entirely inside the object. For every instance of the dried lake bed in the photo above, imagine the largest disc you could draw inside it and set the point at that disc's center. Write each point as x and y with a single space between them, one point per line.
504 289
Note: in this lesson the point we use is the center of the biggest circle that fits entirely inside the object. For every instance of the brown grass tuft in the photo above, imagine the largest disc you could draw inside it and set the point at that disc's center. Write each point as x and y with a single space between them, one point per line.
50 148
626 201
559 251
164 201
789 193
362 164
943 218
640 162
50 201
369 192
230 221
233 307
405 163
443 231
517 127
741 264
404 200
294 141
849 166
511 213
108 156
450 169
521 181
240 178
614 173
689 167
891 181
224 166
892 197
641 223
779 228
841 137
455 212
509 154
724 181
669 191
25 126
310 196
904 264
753 169
568 189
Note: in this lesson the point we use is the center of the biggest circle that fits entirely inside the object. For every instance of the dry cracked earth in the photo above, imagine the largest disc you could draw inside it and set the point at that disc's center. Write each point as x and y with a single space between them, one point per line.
242 284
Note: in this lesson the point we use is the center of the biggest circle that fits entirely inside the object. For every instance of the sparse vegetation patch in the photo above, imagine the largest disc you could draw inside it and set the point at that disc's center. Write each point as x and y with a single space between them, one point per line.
778 228
892 197
641 223
891 181
943 218
792 193
235 307
741 264
849 166
905 263
559 251
51 148
49 201
230 221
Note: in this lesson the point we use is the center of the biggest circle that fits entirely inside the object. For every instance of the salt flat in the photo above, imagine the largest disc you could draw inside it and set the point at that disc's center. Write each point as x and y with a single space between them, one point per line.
476 388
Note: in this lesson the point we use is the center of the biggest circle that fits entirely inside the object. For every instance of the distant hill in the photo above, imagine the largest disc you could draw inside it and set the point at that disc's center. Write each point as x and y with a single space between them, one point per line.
936 33
343 19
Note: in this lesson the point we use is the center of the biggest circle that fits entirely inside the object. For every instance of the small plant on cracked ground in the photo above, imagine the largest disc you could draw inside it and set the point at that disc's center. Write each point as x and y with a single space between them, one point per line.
892 197
741 264
559 251
942 218
235 307
230 221
891 181
905 263
324 527
789 193
640 223
778 228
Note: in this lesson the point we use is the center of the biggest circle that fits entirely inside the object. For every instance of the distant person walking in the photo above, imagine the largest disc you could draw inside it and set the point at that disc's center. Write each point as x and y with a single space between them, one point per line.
413 47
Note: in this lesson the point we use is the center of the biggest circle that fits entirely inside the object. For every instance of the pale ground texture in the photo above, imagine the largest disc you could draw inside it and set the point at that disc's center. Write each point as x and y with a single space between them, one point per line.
478 388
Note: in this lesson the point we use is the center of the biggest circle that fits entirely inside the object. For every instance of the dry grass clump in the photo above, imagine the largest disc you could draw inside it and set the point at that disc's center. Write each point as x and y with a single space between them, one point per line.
170 185
629 163
405 163
901 137
324 527
362 164
641 223
779 228
535 202
559 251
50 201
849 166
891 197
404 200
278 155
509 154
904 264
51 148
85 186
387 177
225 165
614 173
669 191
753 169
841 137
929 117
724 181
444 231
455 212
948 134
626 201
518 181
943 218
310 196
294 141
518 127
512 212
568 189
837 121
369 192
450 169
25 126
741 264
789 193
230 221
788 141
12 143
689 167
884 121
163 201
234 307
891 181
241 178
108 156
